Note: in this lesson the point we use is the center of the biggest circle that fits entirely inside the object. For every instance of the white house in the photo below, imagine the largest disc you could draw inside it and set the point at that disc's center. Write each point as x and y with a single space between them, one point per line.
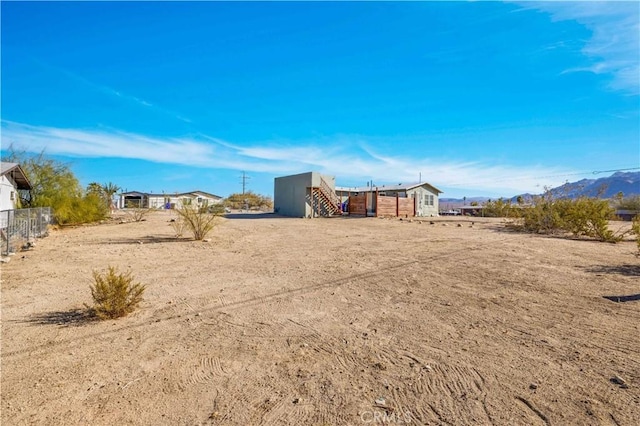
167 201
13 179
424 197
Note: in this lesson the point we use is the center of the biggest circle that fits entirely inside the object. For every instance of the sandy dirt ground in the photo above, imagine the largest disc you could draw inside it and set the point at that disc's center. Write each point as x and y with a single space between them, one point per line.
341 321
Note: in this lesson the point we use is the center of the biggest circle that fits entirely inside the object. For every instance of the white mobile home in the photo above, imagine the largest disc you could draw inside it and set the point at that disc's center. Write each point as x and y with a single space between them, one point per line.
146 200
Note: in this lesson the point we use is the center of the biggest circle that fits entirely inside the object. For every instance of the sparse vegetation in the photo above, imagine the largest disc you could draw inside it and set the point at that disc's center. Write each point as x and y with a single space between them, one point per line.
635 229
135 213
628 203
179 226
500 208
248 201
198 220
114 294
581 217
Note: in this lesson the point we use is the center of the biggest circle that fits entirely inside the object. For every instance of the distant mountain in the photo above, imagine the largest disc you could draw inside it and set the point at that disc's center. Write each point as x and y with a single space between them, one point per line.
454 203
468 199
606 187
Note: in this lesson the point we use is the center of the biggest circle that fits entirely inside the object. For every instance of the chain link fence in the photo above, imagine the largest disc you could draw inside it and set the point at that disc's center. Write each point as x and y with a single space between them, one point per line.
19 227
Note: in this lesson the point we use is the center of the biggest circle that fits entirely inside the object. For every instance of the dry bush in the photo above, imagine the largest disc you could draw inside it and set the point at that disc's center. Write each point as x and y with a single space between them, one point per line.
179 226
198 220
137 214
635 229
115 295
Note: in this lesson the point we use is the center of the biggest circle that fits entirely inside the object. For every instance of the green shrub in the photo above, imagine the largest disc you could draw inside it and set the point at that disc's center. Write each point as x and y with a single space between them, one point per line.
628 203
54 185
115 295
249 200
590 217
580 217
500 208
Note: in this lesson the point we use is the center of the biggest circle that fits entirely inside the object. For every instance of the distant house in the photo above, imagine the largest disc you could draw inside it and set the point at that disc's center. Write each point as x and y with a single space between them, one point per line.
13 179
415 199
146 200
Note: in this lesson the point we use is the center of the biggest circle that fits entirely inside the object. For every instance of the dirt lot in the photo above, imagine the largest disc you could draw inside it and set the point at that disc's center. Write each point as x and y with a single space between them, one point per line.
325 322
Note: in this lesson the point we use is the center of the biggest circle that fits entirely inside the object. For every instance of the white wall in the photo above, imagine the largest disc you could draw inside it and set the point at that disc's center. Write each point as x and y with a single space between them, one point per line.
7 188
423 207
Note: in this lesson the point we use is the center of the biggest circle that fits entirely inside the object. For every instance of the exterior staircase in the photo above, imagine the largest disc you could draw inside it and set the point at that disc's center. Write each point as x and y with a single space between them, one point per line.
325 200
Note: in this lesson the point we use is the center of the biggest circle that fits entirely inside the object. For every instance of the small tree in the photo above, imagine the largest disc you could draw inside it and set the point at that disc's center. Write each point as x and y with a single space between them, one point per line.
115 295
198 220
109 190
54 185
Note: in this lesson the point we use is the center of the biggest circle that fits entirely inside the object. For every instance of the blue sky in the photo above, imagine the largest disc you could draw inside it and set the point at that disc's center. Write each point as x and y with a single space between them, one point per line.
479 99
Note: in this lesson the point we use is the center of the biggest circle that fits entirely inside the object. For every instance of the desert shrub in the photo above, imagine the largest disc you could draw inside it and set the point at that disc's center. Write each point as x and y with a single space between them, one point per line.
500 208
198 220
135 213
248 200
115 294
590 217
635 229
544 216
80 209
581 217
628 203
179 226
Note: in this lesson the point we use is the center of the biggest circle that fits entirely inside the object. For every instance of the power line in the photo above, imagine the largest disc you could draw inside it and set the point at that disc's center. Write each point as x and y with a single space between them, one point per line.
243 180
616 170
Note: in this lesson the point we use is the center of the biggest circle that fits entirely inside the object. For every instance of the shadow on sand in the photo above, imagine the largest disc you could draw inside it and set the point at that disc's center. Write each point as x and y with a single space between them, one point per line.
250 215
146 240
70 318
622 299
624 269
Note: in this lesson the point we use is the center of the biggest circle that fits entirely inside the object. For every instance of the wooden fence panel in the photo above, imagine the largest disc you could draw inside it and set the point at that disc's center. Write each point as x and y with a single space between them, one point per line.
406 207
386 206
357 205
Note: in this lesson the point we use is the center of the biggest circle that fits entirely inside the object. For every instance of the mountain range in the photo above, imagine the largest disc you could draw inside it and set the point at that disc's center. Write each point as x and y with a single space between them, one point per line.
627 183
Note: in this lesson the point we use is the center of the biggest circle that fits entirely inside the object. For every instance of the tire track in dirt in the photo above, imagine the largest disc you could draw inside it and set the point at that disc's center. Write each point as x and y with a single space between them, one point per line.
205 371
539 414
442 393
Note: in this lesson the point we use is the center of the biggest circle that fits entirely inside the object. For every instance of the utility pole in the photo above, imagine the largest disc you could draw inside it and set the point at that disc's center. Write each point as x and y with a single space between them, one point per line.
244 178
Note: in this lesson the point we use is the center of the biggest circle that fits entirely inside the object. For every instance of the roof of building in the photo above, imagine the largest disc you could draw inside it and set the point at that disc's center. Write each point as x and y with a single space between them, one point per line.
16 173
174 194
399 187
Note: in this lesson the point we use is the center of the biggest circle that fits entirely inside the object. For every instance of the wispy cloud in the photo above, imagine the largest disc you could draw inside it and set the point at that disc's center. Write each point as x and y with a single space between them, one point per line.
350 159
110 91
614 46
